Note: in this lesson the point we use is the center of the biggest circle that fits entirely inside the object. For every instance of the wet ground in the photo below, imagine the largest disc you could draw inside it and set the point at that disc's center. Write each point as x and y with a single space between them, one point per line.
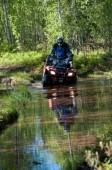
56 125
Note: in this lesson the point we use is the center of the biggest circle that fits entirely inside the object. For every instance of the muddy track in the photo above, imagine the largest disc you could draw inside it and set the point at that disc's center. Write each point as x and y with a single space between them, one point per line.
13 68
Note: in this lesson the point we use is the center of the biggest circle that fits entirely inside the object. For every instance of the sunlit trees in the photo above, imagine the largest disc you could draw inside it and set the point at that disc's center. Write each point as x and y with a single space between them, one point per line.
83 23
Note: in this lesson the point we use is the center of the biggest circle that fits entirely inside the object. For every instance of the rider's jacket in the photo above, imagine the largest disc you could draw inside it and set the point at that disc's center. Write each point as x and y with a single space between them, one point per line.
61 51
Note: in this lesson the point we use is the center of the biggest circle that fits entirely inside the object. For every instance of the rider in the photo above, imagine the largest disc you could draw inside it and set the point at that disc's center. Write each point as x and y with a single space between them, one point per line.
60 50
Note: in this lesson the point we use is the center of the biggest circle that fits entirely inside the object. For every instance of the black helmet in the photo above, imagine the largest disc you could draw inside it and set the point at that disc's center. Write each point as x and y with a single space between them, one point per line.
60 40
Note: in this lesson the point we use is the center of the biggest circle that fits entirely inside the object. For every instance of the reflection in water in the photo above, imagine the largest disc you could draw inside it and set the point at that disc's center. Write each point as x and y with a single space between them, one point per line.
63 102
57 124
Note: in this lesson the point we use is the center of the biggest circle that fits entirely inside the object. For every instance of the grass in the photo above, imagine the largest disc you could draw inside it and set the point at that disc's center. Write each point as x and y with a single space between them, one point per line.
22 67
31 64
7 115
11 103
19 58
94 63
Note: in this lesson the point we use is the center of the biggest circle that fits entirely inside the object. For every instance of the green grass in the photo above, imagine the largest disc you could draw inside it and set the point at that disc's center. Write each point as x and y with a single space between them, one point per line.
32 64
87 64
93 63
11 102
21 58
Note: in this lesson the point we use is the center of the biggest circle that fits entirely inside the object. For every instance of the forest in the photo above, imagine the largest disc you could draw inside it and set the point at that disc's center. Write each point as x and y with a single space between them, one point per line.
31 25
28 28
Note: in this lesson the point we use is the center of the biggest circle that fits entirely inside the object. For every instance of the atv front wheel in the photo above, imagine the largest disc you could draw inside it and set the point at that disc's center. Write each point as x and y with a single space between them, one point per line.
45 80
75 79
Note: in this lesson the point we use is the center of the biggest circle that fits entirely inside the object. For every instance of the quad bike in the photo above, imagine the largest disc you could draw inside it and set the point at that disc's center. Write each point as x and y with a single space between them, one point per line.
59 72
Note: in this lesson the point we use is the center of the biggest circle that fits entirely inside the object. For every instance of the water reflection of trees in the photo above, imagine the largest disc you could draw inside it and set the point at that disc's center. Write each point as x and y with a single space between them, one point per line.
93 104
95 96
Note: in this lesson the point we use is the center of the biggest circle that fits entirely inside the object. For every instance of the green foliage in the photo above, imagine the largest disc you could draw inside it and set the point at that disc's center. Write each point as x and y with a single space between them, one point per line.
26 66
7 115
22 58
29 65
37 72
20 96
21 77
107 134
11 104
7 47
87 63
101 157
83 23
8 112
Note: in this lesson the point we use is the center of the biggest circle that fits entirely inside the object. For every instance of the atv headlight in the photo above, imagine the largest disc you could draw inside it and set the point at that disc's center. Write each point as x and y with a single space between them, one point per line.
52 72
70 74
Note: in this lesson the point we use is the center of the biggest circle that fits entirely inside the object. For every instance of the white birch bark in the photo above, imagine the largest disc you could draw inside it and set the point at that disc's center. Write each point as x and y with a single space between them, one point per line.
60 16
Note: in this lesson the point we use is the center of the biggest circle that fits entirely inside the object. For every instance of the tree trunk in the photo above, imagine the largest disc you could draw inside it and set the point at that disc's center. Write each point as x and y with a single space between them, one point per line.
8 30
60 17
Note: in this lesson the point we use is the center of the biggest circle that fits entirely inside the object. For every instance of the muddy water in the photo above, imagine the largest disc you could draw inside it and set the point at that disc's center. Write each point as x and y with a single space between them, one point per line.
56 125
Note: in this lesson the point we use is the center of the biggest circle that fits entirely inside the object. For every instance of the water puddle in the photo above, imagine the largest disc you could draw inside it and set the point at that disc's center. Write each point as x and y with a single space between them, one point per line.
56 125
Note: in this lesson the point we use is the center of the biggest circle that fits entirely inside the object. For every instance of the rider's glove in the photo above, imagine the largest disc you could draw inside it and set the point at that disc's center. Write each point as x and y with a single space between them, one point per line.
67 60
55 62
70 57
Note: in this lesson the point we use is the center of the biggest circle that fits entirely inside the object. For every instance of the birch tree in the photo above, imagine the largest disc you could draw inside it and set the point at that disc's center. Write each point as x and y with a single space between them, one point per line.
60 16
6 21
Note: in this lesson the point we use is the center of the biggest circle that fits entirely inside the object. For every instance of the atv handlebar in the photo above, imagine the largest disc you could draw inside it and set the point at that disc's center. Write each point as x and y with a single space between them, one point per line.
54 60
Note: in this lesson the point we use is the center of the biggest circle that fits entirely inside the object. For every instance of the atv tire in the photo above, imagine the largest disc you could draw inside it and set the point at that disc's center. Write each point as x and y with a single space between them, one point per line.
45 80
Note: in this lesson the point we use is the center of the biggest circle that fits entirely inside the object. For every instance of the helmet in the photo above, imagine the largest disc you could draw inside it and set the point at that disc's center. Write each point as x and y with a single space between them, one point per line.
60 41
